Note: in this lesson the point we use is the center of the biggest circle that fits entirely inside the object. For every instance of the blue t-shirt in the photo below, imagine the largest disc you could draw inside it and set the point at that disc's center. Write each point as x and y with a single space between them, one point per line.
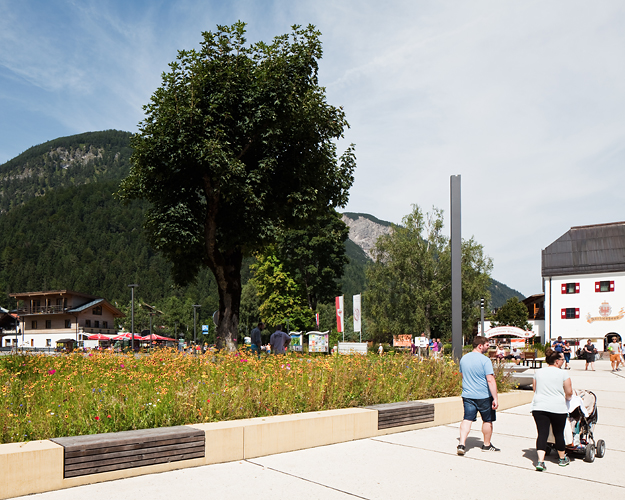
558 345
474 368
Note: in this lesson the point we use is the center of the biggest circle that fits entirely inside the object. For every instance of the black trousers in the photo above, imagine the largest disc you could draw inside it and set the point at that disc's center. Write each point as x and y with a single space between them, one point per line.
557 421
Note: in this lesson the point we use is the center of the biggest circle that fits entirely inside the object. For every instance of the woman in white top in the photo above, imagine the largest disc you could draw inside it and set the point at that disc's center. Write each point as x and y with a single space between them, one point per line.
552 389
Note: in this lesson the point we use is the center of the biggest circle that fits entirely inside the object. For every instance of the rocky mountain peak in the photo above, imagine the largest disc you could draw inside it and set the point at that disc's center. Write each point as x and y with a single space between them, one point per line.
364 231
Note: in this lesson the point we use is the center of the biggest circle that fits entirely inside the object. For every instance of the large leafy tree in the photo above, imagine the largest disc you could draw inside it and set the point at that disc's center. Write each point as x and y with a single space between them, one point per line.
281 297
315 256
409 282
237 144
512 313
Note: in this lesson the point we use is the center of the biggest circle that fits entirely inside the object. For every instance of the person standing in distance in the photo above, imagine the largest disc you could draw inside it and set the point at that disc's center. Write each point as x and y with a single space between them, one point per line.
589 351
255 338
479 393
279 341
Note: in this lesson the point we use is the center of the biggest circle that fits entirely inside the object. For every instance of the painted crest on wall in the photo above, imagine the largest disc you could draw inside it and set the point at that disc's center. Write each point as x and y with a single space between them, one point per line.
604 313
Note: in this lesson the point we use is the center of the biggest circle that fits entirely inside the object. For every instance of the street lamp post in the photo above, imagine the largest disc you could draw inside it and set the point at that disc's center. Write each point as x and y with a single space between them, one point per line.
150 343
195 306
132 315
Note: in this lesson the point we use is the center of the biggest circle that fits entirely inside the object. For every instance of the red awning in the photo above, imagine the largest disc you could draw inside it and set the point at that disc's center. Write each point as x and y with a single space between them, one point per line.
98 336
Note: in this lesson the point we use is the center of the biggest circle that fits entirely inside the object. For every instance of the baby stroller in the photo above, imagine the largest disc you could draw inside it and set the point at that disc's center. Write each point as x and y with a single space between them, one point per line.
578 434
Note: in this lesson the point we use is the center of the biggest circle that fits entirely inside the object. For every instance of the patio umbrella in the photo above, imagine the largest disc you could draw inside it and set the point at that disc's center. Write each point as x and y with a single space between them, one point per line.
98 336
126 336
154 336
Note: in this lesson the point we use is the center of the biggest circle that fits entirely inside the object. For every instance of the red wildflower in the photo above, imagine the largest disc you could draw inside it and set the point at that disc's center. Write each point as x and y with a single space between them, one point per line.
97 418
51 372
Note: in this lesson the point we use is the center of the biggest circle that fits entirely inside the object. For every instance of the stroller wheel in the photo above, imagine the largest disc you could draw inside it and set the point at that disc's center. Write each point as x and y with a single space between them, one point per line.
590 453
600 449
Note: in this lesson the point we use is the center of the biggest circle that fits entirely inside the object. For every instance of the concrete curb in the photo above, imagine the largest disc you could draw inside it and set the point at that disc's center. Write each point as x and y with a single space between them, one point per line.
37 466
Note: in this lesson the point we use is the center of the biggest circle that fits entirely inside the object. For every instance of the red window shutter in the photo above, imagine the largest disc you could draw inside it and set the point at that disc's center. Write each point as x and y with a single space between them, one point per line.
597 286
564 288
577 312
611 286
563 313
576 287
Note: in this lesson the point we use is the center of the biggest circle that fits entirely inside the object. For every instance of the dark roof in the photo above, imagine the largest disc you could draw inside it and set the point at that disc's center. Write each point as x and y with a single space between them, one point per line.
586 250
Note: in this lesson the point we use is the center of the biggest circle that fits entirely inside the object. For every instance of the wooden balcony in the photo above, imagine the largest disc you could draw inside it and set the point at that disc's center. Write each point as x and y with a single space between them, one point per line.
25 311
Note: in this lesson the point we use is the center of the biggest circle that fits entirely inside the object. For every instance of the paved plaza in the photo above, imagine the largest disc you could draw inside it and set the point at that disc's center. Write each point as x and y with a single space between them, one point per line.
414 464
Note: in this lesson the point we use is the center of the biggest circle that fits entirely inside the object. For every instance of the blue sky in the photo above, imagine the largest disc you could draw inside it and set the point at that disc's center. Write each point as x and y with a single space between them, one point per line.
524 99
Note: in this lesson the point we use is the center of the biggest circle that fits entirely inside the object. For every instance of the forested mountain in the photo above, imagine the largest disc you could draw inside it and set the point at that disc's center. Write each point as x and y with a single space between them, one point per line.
67 161
61 228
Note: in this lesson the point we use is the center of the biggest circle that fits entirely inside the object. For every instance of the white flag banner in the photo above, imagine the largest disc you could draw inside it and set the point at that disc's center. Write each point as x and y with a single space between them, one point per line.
357 312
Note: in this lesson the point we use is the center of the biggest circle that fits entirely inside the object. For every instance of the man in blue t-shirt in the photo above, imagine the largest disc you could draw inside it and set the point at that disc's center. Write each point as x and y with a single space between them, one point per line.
479 393
558 345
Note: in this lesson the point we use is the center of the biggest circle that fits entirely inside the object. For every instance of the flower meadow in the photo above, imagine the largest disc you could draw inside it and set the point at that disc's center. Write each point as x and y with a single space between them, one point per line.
52 396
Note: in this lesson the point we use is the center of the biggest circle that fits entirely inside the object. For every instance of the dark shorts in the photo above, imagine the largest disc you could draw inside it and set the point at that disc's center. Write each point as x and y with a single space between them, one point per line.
484 406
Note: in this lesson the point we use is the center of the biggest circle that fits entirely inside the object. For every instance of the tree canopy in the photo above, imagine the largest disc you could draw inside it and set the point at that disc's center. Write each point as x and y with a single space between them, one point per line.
315 257
409 282
512 313
238 143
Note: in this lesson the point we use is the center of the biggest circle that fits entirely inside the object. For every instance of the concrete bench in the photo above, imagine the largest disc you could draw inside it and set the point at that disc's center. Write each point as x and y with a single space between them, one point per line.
403 413
96 453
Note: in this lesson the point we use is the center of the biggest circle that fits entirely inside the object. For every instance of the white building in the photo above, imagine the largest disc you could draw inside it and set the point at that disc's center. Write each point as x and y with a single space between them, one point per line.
584 281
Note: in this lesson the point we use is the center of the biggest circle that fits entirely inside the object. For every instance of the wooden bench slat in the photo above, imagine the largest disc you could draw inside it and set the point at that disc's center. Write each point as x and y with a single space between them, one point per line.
400 404
408 411
403 413
388 425
138 463
406 417
126 437
107 460
114 448
176 448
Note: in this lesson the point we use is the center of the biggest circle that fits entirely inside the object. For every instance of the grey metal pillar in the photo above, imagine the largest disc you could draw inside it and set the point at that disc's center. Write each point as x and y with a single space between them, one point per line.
456 269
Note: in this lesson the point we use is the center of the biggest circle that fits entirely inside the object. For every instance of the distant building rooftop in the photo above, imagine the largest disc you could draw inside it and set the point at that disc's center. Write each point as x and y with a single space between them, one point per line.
599 248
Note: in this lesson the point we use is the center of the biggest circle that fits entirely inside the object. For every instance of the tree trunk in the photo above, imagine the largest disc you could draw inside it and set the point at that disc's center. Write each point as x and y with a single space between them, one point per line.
229 286
226 267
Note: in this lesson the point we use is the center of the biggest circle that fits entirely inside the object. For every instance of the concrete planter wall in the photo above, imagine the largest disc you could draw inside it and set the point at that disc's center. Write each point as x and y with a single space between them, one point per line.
37 466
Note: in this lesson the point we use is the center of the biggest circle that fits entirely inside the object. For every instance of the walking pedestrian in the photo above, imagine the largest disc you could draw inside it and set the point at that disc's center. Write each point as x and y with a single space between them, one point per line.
566 350
558 345
479 393
380 350
552 389
434 347
615 353
279 341
256 338
589 351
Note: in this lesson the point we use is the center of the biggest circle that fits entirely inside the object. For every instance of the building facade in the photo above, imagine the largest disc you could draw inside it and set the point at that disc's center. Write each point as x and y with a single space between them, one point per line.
584 281
48 317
